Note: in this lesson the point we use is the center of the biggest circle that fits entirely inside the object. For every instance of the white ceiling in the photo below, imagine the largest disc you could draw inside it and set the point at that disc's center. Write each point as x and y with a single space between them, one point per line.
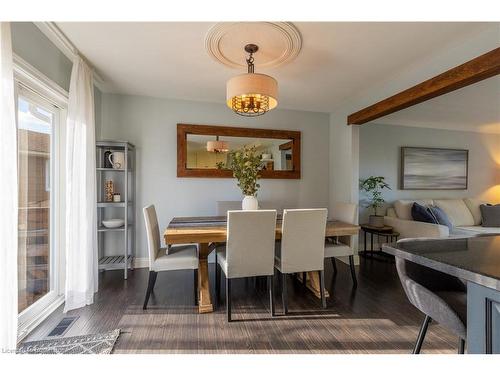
168 59
472 108
337 62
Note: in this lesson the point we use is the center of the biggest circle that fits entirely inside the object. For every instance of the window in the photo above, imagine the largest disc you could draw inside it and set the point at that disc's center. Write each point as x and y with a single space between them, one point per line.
35 130
40 112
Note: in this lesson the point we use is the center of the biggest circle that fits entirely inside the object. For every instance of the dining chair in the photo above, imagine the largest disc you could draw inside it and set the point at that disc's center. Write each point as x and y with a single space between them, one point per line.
439 296
248 252
335 247
172 258
302 247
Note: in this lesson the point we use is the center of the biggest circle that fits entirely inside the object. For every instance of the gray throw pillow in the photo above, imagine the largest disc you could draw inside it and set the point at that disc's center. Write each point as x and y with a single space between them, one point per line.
441 217
491 215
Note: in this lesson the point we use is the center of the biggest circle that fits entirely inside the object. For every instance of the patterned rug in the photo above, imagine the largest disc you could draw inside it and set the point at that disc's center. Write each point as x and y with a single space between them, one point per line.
100 343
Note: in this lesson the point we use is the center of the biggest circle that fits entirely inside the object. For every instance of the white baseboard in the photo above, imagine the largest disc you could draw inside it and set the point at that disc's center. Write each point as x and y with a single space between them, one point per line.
141 262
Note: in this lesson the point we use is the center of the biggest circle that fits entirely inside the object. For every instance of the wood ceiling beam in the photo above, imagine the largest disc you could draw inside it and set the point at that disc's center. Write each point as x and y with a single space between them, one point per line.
475 70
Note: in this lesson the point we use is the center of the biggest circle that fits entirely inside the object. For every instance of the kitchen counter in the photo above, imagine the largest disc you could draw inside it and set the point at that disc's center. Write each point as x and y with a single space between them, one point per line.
475 260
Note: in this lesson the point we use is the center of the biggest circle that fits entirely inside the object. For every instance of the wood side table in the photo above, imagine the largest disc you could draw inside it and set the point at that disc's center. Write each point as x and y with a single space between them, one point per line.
386 231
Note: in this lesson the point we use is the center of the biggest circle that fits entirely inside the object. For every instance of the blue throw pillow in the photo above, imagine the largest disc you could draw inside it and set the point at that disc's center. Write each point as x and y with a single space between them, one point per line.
422 213
441 216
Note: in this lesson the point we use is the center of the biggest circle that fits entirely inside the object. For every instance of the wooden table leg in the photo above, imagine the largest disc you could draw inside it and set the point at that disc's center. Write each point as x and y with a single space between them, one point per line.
204 298
313 283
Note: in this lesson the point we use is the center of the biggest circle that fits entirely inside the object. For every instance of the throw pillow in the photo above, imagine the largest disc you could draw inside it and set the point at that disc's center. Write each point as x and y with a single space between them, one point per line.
440 216
491 215
421 213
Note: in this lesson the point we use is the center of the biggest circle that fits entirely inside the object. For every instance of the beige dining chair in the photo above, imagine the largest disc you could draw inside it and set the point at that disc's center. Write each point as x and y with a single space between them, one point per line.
302 247
334 248
175 257
248 252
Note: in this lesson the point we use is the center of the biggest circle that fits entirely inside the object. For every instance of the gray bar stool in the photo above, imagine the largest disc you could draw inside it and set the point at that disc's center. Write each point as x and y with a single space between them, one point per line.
439 296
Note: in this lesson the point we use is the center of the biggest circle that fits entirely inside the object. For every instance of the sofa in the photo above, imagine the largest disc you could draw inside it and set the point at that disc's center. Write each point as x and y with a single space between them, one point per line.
464 214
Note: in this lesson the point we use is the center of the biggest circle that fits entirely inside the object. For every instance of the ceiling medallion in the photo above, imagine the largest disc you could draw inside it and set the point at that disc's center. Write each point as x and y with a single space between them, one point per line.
251 94
279 42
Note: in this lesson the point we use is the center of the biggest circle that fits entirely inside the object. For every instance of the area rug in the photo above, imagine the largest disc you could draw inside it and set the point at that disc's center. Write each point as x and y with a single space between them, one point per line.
99 343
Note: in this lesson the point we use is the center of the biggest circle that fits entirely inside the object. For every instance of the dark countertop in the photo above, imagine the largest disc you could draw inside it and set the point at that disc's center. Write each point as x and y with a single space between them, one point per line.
475 259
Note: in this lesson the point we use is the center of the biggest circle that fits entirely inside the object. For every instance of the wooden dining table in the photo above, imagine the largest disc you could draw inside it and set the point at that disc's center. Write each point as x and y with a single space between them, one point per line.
213 229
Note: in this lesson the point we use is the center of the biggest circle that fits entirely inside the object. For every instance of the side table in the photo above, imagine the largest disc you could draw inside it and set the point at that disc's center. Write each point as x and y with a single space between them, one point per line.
386 231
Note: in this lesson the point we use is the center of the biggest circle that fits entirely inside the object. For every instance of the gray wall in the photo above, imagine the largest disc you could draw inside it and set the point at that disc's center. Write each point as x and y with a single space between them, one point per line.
150 124
33 46
379 148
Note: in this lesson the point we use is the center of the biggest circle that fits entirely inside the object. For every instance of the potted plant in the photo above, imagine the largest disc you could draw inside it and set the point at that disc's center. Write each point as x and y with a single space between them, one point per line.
374 185
246 165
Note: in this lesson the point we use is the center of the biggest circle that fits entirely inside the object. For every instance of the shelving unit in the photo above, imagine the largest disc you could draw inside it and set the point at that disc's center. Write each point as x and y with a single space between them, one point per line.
112 258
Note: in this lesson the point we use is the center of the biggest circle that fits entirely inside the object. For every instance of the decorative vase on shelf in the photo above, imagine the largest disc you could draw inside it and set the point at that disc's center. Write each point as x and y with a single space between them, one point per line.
250 203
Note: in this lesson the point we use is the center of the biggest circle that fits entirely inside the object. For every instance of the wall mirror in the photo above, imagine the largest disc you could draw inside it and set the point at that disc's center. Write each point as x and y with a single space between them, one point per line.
204 150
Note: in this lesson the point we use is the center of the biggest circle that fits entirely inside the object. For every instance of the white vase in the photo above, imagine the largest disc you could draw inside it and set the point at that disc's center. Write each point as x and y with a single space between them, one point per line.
250 203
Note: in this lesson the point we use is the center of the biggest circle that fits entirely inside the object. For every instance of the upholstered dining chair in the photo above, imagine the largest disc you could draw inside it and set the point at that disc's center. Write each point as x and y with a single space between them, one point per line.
248 252
175 257
302 247
334 248
439 296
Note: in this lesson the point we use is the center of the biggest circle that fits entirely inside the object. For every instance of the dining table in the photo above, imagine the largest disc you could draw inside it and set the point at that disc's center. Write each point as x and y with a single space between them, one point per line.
207 230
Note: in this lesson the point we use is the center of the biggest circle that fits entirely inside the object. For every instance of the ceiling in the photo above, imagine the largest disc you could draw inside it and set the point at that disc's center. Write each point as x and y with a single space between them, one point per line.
472 108
336 61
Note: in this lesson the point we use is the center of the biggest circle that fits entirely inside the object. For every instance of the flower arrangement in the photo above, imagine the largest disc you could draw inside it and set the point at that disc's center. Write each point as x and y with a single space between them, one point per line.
246 165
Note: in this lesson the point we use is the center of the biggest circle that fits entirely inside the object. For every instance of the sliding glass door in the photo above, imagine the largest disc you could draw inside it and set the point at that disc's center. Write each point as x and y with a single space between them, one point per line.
37 127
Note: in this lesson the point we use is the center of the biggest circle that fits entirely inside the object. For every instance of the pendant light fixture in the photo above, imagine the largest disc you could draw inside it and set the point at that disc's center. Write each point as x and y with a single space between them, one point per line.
217 146
252 94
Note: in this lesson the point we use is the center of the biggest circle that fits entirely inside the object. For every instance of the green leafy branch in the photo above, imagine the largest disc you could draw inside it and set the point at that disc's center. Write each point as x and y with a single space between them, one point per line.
246 165
374 185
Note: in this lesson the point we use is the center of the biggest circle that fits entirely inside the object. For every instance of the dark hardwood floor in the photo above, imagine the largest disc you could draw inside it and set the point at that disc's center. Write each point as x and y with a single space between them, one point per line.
374 318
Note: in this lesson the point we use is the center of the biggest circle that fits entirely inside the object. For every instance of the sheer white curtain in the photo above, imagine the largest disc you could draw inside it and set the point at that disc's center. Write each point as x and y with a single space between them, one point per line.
8 196
81 211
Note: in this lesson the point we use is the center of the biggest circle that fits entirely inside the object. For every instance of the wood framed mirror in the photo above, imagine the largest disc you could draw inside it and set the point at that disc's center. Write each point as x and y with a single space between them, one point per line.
279 149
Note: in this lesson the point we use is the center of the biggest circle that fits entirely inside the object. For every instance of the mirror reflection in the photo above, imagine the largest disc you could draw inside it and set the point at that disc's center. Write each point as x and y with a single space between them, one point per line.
213 152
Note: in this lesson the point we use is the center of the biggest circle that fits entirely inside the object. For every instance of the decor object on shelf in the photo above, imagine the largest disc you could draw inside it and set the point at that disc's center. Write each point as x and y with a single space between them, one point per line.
217 146
113 223
424 168
117 159
246 165
117 198
108 191
252 94
374 185
106 160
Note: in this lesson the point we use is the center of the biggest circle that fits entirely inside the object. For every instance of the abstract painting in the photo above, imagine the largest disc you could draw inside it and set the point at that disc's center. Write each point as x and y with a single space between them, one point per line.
433 168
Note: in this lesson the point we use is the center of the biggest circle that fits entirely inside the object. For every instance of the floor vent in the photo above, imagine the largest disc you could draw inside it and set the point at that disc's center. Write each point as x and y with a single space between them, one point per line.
63 326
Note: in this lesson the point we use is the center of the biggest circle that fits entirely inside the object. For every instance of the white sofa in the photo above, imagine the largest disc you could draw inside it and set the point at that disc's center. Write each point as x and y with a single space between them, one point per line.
464 214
